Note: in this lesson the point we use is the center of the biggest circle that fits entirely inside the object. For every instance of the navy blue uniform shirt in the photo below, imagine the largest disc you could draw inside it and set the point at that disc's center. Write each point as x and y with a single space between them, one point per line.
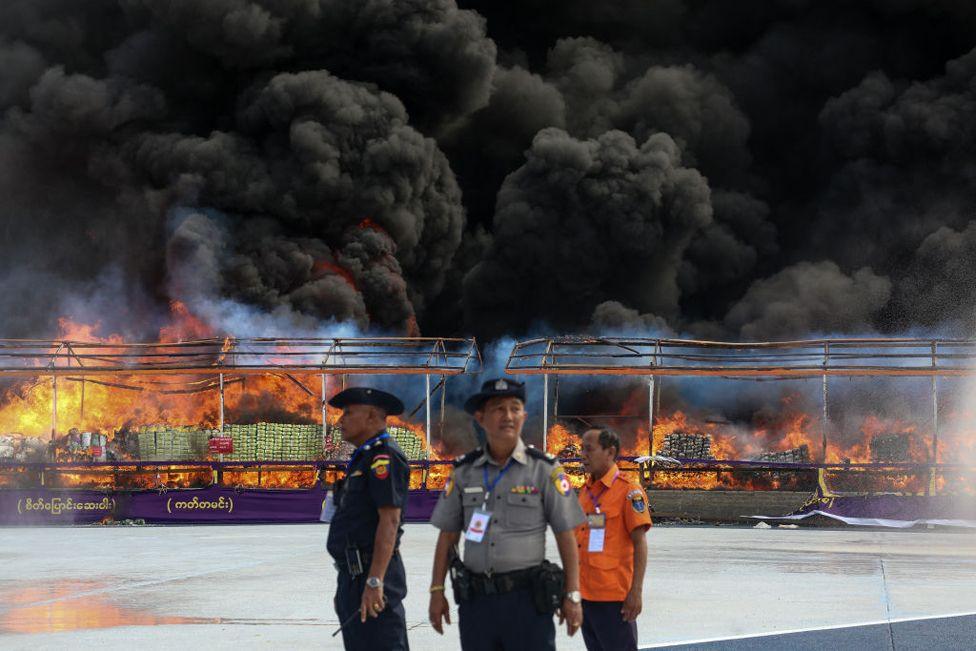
378 476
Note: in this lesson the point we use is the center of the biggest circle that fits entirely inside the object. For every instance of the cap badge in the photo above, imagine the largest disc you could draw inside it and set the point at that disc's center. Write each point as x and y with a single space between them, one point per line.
501 385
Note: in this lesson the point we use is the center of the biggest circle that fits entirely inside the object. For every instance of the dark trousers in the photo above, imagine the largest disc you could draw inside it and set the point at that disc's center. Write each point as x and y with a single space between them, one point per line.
604 628
505 622
389 630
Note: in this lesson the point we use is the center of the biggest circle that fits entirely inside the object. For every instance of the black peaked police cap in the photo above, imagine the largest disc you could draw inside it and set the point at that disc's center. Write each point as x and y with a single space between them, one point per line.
365 396
494 389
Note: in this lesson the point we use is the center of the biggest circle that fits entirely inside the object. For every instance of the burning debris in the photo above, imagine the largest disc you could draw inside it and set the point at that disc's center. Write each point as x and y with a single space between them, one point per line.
165 443
890 448
683 445
17 447
799 454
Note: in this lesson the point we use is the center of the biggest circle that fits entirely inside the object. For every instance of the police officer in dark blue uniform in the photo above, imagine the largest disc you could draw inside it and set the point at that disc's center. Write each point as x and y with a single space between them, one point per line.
364 533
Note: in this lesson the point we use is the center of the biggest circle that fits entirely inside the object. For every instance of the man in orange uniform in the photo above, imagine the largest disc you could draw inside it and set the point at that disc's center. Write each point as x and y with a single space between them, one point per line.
613 551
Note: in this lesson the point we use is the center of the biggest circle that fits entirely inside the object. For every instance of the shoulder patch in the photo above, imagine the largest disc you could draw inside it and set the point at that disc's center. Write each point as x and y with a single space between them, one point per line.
449 485
380 466
468 458
539 454
636 499
561 482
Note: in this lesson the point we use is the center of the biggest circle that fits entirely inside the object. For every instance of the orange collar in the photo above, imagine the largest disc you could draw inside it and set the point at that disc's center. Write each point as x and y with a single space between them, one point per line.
607 479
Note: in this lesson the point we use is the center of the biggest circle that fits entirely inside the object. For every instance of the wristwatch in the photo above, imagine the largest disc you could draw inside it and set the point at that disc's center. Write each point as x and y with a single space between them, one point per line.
374 582
574 596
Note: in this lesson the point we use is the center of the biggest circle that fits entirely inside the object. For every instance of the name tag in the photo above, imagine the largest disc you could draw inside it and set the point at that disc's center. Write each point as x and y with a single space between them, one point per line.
328 508
478 526
596 540
596 520
474 489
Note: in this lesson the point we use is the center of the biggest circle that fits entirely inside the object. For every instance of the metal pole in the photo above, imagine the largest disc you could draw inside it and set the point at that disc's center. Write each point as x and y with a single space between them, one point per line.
555 399
54 406
220 455
935 409
427 406
443 402
325 415
650 414
824 405
545 411
221 404
930 489
82 419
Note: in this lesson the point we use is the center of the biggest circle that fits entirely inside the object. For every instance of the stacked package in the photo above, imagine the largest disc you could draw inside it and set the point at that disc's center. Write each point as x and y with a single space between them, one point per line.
335 447
890 448
245 442
169 443
682 445
409 442
793 455
275 442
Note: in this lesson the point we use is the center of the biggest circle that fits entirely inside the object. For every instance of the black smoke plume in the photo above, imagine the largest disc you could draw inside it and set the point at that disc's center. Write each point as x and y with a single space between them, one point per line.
733 170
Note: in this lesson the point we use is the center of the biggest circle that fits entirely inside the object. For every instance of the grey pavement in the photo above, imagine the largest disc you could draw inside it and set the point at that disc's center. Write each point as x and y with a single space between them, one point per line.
271 586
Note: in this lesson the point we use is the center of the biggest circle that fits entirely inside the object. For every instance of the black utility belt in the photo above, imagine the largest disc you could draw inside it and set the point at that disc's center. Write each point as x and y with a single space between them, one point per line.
485 584
357 561
546 582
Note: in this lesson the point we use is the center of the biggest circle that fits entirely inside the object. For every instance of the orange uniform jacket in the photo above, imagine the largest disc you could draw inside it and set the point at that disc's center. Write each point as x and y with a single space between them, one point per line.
607 575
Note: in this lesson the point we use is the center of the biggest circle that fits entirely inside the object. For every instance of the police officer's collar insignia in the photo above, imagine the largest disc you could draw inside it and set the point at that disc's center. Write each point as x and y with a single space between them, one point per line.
539 454
356 473
501 385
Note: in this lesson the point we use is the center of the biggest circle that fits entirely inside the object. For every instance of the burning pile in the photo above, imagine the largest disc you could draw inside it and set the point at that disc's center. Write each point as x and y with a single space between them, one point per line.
799 454
166 443
683 445
411 444
890 448
275 442
26 449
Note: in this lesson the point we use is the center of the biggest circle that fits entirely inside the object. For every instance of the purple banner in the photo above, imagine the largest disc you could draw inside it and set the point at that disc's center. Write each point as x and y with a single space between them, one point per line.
205 505
899 511
225 505
43 506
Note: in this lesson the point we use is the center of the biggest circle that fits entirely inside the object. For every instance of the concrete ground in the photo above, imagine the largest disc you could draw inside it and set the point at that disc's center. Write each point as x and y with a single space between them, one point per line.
236 587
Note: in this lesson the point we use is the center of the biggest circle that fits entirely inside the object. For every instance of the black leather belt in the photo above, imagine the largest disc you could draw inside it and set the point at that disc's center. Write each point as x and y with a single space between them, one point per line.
486 584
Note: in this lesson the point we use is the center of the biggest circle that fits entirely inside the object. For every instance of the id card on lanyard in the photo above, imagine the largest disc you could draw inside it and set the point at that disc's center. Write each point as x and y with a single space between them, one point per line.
597 522
481 518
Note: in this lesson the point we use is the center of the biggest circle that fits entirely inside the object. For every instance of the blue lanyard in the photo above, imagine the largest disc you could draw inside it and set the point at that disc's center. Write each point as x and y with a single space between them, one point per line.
365 446
490 487
595 500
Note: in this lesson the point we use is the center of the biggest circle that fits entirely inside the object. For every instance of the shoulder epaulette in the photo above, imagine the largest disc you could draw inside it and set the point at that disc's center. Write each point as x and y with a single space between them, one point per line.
539 454
468 458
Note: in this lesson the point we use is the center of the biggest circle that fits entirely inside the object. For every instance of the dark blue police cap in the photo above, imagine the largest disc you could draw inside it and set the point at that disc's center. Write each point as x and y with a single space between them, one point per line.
495 389
365 396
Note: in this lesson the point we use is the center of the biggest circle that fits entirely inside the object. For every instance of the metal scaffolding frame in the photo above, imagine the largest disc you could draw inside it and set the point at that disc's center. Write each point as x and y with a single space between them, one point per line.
212 364
823 358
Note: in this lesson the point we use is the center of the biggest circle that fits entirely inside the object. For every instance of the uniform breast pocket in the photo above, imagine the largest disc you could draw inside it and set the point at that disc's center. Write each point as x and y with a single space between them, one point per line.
470 502
524 510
